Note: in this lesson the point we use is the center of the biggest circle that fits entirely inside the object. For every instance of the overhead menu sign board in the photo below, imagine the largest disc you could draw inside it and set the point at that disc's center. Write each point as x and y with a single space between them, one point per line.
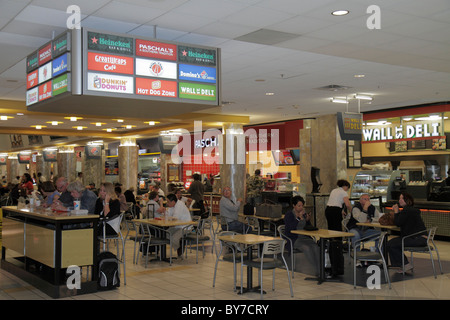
50 61
149 69
86 68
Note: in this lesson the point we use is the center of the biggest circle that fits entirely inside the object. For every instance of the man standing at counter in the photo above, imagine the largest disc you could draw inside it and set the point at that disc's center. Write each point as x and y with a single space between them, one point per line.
229 210
255 185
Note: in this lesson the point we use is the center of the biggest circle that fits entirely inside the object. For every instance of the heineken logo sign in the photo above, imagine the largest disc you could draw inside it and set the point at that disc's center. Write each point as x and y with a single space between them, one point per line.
197 55
110 43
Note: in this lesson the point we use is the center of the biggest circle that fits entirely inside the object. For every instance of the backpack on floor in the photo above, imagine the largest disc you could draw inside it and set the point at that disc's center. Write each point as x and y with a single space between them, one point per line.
108 271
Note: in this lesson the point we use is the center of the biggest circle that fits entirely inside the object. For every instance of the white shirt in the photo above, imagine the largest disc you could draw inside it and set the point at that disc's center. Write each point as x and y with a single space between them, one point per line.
337 197
180 212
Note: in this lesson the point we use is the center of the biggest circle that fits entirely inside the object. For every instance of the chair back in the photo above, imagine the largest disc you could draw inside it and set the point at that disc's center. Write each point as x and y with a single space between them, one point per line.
254 223
116 222
223 221
431 234
273 247
381 239
131 227
281 231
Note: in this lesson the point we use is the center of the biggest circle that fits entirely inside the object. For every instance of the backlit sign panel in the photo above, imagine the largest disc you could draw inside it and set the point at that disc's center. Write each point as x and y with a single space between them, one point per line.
110 63
155 68
45 73
110 83
32 79
45 91
60 65
157 88
197 73
45 54
110 43
156 50
32 96
197 91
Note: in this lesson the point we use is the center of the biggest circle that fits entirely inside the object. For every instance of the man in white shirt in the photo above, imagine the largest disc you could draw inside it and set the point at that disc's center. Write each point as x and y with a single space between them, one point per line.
179 211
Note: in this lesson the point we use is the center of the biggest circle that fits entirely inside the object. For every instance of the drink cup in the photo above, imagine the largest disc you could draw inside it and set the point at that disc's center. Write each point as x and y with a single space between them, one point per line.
76 205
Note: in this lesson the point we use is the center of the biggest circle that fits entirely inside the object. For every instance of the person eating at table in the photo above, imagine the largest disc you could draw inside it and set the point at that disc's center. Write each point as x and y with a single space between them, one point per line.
363 211
178 210
410 222
154 208
229 210
296 219
107 206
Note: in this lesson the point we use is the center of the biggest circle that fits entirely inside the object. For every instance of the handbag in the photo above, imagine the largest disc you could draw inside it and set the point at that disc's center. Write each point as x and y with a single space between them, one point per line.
387 219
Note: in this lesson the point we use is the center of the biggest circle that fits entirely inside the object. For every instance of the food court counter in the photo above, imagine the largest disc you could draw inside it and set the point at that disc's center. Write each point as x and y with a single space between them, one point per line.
434 213
39 245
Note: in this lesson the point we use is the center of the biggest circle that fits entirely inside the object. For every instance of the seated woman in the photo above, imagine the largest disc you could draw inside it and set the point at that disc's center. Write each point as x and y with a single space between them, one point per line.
49 191
410 222
297 219
107 206
26 183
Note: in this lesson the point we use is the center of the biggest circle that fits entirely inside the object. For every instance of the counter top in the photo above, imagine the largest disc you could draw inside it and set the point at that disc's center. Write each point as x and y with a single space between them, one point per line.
48 214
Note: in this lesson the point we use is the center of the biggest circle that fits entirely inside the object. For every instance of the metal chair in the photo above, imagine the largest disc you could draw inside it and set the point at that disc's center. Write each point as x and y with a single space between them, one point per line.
196 235
282 233
226 257
115 223
133 234
152 241
370 256
270 248
429 248
256 227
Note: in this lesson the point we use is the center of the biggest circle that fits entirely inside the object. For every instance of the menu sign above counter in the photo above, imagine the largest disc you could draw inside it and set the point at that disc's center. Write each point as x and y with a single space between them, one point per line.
86 66
156 70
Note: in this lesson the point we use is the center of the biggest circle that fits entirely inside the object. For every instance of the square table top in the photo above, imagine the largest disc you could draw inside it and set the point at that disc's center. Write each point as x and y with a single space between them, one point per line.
165 223
249 239
323 233
377 225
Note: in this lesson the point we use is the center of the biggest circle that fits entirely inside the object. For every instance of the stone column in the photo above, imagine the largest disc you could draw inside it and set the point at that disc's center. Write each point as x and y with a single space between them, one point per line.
232 157
94 170
128 163
12 167
66 163
321 146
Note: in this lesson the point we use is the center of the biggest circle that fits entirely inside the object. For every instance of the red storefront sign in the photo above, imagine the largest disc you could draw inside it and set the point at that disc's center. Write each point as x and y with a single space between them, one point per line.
156 50
110 63
45 91
45 54
156 87
32 79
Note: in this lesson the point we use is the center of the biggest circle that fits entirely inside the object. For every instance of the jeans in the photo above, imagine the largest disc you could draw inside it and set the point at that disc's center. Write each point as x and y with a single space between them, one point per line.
238 226
361 233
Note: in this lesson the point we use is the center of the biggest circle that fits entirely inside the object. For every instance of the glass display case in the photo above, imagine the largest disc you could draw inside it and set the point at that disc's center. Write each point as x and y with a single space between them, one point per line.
375 183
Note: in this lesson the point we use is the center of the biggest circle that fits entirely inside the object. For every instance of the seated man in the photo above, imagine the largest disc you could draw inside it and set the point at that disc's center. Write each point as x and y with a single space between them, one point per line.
178 210
154 208
363 211
229 210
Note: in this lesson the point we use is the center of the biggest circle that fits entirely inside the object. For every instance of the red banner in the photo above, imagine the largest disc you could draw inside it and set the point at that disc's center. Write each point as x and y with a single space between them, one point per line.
156 87
109 63
157 50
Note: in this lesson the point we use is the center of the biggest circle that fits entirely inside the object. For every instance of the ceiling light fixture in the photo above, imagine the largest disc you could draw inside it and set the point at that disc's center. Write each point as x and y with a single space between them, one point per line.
73 118
362 96
128 126
98 124
151 123
79 127
340 12
38 127
339 100
5 117
54 123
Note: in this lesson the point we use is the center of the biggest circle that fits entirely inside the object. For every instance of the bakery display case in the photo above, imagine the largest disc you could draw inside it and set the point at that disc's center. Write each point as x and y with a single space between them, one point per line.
376 183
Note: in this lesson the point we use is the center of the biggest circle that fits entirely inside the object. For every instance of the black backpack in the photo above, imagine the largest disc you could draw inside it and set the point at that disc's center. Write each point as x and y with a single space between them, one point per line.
108 271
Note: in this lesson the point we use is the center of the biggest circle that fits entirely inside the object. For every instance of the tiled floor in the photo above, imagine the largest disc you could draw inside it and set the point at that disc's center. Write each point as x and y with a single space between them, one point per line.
186 280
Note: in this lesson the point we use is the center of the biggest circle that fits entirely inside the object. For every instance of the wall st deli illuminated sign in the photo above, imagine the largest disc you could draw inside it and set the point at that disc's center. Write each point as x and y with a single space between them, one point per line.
410 131
110 43
157 50
197 73
110 83
197 91
155 68
110 63
60 85
156 87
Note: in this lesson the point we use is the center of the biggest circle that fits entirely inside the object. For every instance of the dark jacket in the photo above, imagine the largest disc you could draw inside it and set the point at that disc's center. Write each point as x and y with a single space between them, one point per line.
409 221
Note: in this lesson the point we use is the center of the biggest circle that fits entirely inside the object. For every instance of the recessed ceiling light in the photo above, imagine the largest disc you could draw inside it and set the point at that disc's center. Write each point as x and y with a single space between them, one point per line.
270 93
79 127
38 126
54 123
128 126
339 100
340 12
19 113
73 118
151 123
109 129
98 124
5 117
359 75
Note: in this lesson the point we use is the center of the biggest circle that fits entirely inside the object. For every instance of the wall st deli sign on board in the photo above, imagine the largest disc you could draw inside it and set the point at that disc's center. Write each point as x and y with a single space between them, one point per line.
110 63
60 84
197 91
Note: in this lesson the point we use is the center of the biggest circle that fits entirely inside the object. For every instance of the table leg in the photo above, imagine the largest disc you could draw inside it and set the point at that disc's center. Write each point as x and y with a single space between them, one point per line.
321 277
250 287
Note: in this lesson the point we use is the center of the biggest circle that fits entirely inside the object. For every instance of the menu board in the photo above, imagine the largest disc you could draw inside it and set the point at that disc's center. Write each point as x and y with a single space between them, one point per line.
48 69
84 65
132 67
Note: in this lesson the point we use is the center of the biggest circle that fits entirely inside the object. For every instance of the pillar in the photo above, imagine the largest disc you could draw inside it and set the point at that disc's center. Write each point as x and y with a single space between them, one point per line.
232 157
94 169
128 163
66 163
324 149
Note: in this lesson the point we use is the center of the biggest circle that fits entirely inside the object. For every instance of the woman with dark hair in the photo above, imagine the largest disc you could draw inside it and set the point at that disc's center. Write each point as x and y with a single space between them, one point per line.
410 222
338 197
27 183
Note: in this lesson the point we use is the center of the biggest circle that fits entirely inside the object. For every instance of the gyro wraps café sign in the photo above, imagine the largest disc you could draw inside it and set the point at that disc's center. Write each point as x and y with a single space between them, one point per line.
401 132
